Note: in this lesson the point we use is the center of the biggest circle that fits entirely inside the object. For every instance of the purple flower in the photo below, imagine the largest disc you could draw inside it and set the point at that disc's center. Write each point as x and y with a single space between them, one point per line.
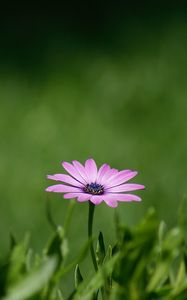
86 182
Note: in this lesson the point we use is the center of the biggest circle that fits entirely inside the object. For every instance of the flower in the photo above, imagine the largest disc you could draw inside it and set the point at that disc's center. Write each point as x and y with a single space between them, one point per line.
87 183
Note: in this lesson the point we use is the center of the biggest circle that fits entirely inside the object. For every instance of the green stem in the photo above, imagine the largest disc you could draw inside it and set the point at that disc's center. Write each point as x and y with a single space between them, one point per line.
90 224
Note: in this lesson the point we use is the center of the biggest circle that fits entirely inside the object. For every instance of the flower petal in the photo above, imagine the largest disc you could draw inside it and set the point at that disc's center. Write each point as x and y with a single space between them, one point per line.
120 177
126 188
96 199
61 188
80 168
81 197
110 173
102 170
72 171
91 170
65 178
113 177
111 202
84 197
122 197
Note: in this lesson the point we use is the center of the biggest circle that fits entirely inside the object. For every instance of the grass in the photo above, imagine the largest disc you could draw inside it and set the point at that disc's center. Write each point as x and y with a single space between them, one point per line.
145 262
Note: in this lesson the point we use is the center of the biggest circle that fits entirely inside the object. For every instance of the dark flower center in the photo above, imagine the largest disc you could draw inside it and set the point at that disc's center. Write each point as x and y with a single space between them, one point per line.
94 189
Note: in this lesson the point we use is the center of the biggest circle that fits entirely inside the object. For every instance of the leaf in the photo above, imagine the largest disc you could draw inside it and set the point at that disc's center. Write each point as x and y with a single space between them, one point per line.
181 276
33 282
87 289
161 232
100 249
59 295
108 254
78 276
118 293
17 262
173 239
170 250
57 245
13 242
29 260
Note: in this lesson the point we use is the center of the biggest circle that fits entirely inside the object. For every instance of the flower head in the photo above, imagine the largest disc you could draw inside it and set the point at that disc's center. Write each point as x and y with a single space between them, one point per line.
88 183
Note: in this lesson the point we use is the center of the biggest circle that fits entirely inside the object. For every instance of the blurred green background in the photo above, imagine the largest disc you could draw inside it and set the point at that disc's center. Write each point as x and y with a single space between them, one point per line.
104 81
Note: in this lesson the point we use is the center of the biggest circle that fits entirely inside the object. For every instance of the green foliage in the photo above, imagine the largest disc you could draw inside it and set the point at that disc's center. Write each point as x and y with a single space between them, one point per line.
147 262
100 250
78 276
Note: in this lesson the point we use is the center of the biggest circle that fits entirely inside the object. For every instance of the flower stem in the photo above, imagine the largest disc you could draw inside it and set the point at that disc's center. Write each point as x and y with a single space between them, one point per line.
90 223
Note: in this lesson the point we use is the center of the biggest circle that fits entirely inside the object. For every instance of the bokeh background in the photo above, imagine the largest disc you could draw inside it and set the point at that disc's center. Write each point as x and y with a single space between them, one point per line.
100 80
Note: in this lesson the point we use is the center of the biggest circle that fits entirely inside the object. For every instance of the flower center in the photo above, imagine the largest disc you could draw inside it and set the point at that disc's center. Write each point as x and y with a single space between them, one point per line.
94 189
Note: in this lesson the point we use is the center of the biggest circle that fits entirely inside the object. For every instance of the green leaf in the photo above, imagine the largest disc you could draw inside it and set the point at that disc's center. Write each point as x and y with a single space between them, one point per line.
100 249
33 282
78 276
181 276
118 293
17 262
88 288
59 295
173 239
161 232
57 245
29 260
13 242
170 250
108 254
